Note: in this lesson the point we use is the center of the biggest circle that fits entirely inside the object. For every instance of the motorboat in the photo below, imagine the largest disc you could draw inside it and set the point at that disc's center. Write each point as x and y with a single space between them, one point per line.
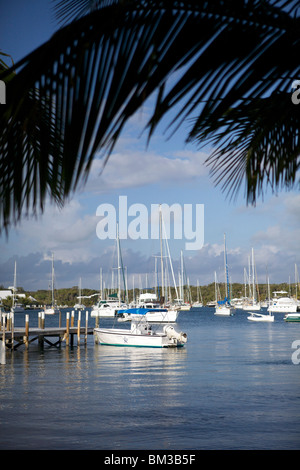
259 317
153 311
140 334
282 303
152 315
107 308
292 317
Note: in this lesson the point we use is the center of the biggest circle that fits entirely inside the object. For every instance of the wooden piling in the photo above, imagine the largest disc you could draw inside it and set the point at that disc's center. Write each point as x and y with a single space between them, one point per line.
86 325
78 326
26 330
12 327
68 328
72 318
2 352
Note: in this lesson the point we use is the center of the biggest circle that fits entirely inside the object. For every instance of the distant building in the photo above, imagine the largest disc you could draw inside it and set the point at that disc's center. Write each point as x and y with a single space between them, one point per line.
5 293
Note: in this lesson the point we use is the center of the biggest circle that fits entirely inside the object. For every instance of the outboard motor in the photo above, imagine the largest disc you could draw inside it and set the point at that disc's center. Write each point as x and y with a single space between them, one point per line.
173 334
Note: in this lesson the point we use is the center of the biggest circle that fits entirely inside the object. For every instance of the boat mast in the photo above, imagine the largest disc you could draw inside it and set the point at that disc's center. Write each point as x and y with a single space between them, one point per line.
15 285
161 251
52 282
226 270
119 272
253 279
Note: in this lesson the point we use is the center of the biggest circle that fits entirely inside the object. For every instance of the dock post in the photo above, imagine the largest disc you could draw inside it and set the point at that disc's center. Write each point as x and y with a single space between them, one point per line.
68 328
26 330
86 325
78 326
3 352
12 326
72 318
39 319
43 320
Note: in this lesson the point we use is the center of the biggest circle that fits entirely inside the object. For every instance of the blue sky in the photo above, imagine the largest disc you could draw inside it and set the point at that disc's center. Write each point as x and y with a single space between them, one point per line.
166 171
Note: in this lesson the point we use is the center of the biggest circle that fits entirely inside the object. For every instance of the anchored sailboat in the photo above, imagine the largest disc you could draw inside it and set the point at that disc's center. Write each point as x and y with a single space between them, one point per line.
52 309
223 307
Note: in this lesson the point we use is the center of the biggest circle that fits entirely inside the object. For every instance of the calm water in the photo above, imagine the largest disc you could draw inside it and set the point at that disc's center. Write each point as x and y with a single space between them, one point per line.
234 386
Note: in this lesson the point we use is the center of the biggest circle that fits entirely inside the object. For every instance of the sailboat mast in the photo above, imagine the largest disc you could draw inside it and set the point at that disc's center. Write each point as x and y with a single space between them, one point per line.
226 269
15 285
52 283
119 272
253 278
161 251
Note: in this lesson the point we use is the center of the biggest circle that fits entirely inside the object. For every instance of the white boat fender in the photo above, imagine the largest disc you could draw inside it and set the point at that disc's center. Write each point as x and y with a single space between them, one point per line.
172 333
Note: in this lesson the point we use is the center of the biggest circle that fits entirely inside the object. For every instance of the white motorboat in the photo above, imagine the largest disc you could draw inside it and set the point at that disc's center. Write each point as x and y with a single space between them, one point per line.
154 312
260 317
107 308
283 303
152 315
140 334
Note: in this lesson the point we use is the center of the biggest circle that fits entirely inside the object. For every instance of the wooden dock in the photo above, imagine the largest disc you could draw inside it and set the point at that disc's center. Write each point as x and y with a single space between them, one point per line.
13 337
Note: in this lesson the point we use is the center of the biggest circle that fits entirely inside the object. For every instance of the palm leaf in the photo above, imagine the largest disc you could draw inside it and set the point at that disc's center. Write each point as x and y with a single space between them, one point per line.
72 96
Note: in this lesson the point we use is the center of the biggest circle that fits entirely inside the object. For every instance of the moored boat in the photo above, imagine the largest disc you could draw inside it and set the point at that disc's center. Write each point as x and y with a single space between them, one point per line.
292 317
140 334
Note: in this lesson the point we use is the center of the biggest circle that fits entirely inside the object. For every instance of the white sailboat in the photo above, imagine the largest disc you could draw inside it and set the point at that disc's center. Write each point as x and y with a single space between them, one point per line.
79 305
16 307
223 307
52 309
198 303
259 317
110 307
251 302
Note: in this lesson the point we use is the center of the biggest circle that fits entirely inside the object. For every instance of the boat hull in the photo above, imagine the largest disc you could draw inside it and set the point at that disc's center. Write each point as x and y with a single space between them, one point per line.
224 311
151 315
292 317
124 337
261 318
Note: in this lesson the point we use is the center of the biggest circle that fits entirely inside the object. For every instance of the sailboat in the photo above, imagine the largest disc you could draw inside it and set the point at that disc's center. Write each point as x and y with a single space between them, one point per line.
252 304
148 304
16 308
140 333
259 317
223 307
52 309
198 303
79 305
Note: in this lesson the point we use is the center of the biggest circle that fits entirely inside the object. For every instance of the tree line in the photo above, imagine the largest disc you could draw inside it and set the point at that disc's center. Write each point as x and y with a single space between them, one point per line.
69 296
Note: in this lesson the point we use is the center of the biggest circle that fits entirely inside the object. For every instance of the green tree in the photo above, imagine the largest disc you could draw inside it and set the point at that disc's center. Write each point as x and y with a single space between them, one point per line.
229 66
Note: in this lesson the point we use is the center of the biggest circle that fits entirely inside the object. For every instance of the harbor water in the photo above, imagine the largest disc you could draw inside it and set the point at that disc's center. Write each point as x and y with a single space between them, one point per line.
235 385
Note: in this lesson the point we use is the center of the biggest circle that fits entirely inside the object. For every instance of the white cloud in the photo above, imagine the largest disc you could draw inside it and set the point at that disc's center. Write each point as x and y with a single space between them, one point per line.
139 169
